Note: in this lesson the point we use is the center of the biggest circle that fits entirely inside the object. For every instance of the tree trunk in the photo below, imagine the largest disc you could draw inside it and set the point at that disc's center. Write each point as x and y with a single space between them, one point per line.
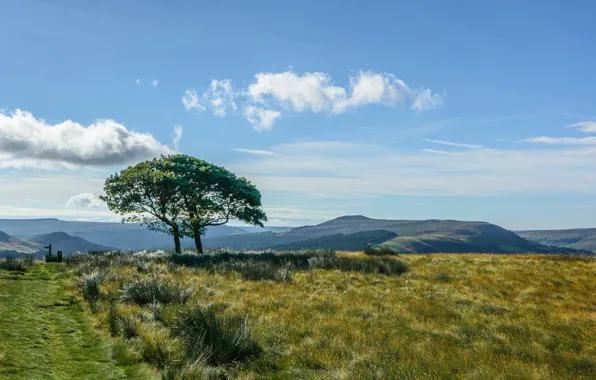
177 241
198 243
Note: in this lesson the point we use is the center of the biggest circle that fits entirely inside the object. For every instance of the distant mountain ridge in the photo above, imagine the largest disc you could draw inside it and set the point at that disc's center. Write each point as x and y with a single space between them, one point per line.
577 238
405 236
60 241
350 232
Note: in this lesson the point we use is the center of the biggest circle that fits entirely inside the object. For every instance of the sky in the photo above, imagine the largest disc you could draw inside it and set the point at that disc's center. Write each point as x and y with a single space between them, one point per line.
463 110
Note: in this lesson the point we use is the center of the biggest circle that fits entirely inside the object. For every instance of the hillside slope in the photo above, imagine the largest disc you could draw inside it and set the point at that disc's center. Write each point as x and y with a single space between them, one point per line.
406 236
16 245
579 238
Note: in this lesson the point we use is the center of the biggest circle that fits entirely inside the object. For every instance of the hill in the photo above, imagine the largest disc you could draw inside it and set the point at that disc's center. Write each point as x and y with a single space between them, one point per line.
12 246
126 236
578 238
16 245
406 236
68 244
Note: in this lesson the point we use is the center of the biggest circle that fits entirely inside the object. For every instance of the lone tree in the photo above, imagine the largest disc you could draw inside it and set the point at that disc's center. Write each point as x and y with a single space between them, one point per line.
211 196
182 196
145 194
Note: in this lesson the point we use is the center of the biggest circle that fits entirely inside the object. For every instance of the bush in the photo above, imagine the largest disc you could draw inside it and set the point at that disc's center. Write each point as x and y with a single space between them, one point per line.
152 290
16 265
113 321
215 340
257 271
379 250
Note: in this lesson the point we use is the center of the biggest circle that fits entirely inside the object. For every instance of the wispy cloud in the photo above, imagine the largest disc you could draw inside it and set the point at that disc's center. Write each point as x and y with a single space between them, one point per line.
584 126
177 137
270 95
346 170
154 82
256 152
562 140
455 144
29 142
138 81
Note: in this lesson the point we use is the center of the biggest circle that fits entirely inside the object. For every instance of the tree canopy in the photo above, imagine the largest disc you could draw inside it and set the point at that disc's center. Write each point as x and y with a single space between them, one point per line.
182 195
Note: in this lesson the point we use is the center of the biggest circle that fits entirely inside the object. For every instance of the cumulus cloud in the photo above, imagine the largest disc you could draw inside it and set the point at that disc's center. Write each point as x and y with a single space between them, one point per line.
262 119
271 94
29 142
584 126
85 200
177 136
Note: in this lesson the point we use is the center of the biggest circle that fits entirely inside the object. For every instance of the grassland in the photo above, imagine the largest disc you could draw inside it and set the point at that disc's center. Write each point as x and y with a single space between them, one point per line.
44 333
451 316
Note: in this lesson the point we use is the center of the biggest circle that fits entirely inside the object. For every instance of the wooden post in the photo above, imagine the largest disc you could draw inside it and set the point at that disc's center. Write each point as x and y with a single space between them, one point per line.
49 248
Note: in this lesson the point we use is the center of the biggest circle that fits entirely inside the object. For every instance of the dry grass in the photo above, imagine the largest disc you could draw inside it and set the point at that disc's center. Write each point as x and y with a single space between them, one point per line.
452 316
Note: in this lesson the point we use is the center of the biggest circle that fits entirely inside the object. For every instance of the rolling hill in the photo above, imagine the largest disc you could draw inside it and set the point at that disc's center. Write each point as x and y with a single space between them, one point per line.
11 246
406 236
579 238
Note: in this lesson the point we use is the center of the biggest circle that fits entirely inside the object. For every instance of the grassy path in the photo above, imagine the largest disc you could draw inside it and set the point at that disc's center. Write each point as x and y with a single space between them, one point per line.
44 336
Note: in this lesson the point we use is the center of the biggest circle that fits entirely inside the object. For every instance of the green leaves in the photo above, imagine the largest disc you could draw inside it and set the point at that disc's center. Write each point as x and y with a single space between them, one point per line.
182 195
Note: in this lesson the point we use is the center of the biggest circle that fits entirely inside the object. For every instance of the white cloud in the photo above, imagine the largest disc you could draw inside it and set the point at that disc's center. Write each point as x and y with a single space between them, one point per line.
219 98
177 136
271 94
154 82
29 142
256 152
584 126
347 170
85 200
563 140
191 100
459 145
261 119
138 81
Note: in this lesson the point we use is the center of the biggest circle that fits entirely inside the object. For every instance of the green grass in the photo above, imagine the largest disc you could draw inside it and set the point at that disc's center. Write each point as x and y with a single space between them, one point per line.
44 334
451 316
466 316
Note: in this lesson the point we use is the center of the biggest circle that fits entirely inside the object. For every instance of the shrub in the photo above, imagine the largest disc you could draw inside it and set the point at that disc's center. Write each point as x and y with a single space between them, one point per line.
15 265
215 340
252 270
379 250
152 290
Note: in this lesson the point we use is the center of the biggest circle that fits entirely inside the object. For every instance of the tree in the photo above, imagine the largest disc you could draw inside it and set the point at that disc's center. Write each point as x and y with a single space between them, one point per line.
145 194
211 195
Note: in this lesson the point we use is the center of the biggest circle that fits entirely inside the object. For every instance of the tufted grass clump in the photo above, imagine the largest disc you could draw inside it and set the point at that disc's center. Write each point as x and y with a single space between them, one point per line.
148 291
213 339
90 286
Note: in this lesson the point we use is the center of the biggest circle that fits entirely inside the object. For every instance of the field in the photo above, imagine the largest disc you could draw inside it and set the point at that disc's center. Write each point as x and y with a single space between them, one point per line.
320 316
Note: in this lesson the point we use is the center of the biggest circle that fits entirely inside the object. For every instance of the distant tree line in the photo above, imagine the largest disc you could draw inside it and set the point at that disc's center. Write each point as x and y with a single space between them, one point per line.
182 196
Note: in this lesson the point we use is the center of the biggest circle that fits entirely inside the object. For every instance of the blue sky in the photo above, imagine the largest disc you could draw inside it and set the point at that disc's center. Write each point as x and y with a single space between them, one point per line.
402 110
